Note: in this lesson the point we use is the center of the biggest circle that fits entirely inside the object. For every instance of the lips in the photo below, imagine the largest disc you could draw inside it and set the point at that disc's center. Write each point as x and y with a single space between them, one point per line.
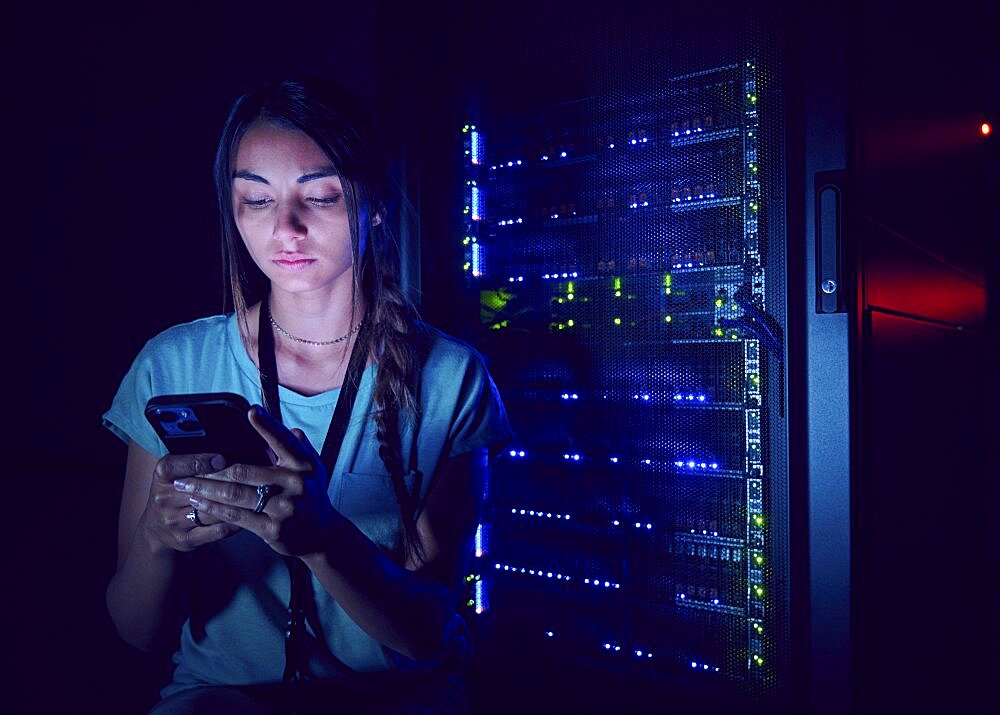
293 261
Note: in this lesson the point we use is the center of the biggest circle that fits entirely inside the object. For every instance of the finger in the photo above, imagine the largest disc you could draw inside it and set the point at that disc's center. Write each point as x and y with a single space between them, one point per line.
201 535
174 466
259 524
234 492
290 452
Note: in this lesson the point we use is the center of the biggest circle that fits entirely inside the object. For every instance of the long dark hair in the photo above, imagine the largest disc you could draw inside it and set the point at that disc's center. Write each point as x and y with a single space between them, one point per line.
338 123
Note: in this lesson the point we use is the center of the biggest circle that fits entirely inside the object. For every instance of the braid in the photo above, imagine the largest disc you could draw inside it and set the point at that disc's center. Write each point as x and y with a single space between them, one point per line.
395 334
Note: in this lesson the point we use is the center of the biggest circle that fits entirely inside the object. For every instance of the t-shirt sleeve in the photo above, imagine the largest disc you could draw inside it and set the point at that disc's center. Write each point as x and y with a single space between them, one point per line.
480 417
126 418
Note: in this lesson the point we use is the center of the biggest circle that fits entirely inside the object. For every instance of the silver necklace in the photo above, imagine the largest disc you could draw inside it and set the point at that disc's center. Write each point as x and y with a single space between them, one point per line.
288 335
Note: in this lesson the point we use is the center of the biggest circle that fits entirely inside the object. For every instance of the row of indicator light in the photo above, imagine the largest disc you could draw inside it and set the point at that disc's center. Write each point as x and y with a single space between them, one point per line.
697 130
555 215
639 653
562 155
636 204
692 464
509 221
695 665
599 582
679 199
689 397
638 524
549 276
501 165
576 457
540 572
704 532
546 514
689 264
570 396
714 601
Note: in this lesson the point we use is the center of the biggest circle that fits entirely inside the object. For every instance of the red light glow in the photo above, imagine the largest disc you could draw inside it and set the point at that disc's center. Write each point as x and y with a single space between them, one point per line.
986 128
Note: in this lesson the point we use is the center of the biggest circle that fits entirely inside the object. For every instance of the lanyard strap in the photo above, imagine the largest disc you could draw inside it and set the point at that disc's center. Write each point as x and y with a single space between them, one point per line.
299 577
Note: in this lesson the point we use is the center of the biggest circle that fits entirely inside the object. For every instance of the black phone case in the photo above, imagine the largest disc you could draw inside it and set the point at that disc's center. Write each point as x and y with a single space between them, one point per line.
208 422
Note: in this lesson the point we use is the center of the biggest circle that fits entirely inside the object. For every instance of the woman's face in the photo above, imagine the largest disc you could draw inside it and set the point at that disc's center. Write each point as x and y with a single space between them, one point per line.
290 210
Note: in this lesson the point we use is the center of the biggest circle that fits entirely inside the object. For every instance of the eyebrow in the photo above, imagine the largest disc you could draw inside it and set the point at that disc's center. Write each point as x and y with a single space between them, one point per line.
311 176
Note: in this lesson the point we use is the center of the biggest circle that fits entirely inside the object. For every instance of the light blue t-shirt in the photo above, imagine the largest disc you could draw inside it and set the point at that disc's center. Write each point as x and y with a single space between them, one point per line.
234 634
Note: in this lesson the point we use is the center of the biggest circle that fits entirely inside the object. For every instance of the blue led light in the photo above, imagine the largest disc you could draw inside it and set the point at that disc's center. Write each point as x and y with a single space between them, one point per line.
611 145
545 157
519 162
632 142
474 142
549 633
638 525
607 646
562 154
614 460
476 261
649 526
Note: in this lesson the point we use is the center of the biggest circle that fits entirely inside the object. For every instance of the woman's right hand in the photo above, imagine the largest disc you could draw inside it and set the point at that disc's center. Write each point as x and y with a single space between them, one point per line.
165 521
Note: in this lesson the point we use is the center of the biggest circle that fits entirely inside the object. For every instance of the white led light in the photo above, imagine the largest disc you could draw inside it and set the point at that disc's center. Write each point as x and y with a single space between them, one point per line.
616 522
614 460
562 154
521 453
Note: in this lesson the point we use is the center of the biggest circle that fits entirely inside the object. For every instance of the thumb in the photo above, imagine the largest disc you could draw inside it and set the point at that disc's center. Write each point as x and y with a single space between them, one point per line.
301 437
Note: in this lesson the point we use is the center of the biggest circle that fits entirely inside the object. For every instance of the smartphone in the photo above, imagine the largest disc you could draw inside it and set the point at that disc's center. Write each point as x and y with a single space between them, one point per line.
208 422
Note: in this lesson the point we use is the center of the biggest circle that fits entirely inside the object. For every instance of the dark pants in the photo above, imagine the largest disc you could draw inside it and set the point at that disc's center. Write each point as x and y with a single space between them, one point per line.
377 694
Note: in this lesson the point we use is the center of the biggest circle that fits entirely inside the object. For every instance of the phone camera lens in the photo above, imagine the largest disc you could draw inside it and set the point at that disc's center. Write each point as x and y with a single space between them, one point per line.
188 426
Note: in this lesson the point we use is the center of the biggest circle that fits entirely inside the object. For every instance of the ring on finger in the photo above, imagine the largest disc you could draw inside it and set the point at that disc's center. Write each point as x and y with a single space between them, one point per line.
193 517
263 494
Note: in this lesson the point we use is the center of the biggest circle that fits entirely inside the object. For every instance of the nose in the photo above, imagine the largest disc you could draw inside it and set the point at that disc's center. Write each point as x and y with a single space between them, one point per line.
288 224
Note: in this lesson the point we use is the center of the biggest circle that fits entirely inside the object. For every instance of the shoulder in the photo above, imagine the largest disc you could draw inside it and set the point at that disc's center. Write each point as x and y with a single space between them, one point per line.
187 337
444 352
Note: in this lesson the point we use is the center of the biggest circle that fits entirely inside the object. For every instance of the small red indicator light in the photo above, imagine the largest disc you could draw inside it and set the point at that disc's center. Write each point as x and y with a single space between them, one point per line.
986 128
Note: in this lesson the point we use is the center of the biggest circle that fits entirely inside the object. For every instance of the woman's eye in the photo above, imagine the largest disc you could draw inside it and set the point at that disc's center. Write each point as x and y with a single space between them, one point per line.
324 200
256 203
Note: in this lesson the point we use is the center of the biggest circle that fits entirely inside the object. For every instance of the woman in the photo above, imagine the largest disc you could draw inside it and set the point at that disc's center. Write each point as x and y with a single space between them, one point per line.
372 546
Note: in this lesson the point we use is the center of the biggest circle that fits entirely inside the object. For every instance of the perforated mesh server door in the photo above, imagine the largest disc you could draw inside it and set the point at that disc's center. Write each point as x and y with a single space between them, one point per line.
622 225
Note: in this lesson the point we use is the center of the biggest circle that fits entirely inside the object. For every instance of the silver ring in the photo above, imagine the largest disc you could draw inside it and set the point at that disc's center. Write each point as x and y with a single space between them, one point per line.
192 516
263 493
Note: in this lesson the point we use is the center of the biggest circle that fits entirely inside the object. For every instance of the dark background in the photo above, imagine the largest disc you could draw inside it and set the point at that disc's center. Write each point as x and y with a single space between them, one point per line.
112 120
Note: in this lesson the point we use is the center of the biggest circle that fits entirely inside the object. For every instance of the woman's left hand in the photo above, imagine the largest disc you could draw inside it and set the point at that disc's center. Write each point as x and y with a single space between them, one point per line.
296 513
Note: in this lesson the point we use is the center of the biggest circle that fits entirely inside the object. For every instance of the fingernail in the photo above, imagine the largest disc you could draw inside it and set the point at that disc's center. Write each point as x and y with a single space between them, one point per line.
183 486
196 503
218 462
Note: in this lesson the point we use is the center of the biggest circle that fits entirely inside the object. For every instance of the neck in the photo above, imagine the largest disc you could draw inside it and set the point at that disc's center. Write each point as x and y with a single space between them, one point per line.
317 316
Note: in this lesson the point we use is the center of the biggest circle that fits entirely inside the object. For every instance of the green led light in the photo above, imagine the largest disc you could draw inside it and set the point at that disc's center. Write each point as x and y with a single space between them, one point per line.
667 318
470 603
467 266
569 287
618 283
569 322
758 520
754 169
668 280
753 99
758 559
465 241
465 128
719 302
717 331
666 291
466 209
618 321
618 294
569 296
734 336
758 590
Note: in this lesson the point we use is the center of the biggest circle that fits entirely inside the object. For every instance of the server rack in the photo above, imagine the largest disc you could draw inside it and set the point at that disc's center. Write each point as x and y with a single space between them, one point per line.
620 248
